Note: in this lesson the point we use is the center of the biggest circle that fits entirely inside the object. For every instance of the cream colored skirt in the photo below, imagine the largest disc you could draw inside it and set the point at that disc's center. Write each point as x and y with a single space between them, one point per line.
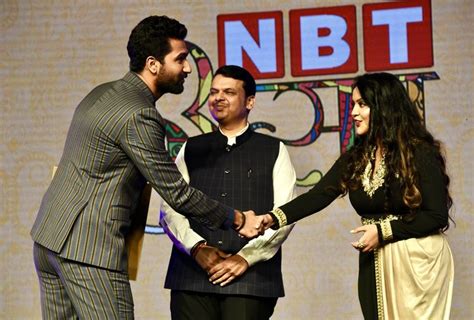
414 279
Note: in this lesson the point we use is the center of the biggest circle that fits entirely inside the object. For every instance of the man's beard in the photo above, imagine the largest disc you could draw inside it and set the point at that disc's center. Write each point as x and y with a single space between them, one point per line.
167 84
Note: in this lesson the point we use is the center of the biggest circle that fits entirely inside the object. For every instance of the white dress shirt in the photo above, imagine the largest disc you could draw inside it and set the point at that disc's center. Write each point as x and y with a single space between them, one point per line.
259 249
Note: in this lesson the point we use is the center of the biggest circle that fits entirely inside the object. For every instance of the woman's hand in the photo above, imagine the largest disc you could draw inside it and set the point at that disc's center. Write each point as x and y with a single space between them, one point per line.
369 240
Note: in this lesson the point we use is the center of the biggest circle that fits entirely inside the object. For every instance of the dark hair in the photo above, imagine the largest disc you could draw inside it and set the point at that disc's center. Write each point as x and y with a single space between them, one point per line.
239 73
396 124
151 38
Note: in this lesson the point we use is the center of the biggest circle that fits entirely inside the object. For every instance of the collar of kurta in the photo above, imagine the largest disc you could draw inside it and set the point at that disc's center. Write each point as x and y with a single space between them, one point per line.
237 140
135 80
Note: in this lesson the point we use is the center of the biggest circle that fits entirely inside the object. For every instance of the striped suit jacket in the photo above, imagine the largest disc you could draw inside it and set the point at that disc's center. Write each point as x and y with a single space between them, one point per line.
114 145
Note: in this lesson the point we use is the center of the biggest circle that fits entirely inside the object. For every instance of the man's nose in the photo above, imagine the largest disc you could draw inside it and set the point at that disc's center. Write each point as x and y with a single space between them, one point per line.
187 67
219 96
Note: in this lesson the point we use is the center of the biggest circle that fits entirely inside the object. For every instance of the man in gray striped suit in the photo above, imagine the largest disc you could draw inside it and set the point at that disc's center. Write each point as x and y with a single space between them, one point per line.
114 145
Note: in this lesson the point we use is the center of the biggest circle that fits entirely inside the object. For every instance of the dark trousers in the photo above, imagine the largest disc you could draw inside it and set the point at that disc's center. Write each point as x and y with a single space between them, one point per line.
186 305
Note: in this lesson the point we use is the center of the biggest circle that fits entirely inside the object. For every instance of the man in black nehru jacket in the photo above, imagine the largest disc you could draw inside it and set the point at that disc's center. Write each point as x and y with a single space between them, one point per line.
215 274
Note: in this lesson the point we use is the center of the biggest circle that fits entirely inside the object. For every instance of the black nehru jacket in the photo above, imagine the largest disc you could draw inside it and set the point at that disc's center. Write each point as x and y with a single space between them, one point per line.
239 176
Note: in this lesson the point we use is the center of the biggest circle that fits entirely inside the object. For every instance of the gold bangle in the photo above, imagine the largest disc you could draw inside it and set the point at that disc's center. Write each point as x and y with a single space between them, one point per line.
281 217
387 234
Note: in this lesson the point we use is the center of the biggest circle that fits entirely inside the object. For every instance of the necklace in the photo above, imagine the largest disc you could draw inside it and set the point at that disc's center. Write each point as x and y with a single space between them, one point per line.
372 184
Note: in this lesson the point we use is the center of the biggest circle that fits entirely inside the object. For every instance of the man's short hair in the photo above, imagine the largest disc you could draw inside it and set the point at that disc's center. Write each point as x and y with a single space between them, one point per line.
239 73
151 38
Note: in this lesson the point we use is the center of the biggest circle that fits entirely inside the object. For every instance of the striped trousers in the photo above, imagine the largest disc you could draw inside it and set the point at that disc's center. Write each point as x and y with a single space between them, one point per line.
73 290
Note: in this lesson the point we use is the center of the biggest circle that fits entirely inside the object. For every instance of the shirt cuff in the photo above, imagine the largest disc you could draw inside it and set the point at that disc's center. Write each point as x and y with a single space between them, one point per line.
250 255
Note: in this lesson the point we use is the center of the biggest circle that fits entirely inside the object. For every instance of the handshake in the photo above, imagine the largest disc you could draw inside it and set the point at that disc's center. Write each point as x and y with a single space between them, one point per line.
249 225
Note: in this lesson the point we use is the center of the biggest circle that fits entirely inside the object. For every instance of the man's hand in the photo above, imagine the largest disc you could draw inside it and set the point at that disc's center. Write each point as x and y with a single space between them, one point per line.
207 257
226 271
267 221
252 225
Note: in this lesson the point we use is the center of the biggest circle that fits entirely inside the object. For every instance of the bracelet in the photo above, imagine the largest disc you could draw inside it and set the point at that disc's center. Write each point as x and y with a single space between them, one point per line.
244 218
196 247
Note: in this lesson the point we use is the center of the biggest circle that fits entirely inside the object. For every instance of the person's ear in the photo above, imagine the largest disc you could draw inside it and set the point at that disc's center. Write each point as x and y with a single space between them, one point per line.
250 103
152 65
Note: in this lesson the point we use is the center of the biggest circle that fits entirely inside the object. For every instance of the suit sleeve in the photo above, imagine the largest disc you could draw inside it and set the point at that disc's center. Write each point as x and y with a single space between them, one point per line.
177 226
143 141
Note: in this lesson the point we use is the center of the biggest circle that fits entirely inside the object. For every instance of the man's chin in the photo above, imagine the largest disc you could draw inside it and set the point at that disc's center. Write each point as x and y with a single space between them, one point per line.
176 89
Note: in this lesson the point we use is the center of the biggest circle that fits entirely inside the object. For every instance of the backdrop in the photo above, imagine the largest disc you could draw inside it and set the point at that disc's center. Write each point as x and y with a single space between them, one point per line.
53 53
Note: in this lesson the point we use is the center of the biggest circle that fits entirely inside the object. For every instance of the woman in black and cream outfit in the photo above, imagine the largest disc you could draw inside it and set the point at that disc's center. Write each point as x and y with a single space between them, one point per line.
395 176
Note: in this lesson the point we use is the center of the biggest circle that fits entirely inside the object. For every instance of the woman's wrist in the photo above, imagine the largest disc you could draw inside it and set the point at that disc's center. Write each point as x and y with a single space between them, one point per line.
279 218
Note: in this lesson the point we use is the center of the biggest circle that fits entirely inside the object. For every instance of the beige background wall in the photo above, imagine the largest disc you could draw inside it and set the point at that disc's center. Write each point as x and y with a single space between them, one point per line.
52 53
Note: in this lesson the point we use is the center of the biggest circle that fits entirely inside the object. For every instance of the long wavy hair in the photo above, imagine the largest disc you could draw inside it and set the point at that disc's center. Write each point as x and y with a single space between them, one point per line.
396 125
